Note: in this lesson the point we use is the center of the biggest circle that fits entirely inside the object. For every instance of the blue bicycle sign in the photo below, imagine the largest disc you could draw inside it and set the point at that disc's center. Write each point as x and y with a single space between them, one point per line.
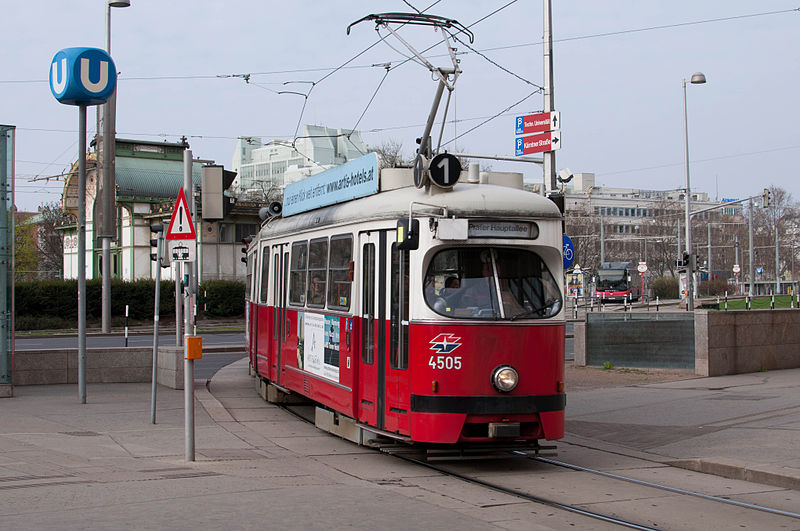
569 252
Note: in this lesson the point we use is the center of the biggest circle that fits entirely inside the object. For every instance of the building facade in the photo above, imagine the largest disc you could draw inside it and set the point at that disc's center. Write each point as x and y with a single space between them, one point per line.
148 178
265 169
635 225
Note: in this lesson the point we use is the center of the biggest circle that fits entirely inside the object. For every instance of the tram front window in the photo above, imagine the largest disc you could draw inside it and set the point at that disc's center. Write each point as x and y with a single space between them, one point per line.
491 283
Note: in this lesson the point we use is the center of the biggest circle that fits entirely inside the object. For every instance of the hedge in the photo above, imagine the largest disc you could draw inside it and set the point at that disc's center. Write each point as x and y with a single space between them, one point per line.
59 298
665 288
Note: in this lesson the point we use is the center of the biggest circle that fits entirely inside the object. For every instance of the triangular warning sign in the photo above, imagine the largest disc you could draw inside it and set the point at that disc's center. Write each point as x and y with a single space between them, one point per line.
180 225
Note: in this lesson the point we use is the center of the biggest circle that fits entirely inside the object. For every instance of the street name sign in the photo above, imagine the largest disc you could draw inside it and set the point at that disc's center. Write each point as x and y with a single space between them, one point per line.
537 123
525 145
180 225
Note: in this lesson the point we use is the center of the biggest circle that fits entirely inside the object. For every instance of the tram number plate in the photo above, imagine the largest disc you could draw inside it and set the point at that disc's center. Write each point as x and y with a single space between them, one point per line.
445 362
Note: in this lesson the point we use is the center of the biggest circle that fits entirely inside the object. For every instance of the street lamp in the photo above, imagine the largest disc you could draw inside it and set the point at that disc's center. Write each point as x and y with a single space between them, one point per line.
697 79
109 181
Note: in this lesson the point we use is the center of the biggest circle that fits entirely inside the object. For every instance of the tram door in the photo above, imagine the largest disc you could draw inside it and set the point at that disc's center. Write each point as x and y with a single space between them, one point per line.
280 287
261 313
372 331
398 397
383 385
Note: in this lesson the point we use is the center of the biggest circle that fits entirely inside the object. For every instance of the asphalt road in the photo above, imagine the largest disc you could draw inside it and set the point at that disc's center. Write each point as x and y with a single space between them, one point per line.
211 362
204 368
102 341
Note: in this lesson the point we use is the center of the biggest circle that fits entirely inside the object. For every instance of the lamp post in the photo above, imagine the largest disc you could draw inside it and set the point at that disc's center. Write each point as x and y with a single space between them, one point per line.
696 79
109 181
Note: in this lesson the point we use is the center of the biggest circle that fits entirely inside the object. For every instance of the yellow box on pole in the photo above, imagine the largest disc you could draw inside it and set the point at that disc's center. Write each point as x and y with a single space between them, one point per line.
194 348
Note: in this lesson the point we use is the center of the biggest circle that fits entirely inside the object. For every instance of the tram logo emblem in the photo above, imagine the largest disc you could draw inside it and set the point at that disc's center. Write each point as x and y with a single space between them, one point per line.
445 343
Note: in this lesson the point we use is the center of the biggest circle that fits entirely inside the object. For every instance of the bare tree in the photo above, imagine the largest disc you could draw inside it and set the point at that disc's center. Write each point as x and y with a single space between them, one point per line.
782 216
390 154
51 241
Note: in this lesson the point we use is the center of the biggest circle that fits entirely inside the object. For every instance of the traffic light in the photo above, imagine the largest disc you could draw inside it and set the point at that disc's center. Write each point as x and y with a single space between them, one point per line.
158 243
246 242
697 262
685 261
766 198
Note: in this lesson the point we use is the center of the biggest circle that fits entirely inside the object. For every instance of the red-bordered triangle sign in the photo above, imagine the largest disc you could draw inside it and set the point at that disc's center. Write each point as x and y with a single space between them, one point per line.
180 225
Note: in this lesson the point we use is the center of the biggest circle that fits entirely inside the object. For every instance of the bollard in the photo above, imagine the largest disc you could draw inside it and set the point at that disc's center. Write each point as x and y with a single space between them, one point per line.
726 300
772 300
747 302
126 325
656 303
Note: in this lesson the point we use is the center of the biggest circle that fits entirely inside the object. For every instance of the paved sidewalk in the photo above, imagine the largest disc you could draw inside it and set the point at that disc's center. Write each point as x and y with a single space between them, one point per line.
744 426
103 465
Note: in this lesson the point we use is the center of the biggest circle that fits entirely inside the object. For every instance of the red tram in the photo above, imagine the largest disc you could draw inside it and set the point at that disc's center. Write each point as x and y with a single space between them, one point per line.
430 314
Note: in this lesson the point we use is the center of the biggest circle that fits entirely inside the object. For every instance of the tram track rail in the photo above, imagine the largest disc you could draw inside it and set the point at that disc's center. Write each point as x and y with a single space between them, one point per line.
418 457
667 488
499 488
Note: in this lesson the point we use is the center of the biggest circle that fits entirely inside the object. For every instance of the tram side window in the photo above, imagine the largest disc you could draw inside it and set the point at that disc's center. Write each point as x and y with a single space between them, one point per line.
297 280
368 305
398 356
249 277
317 271
339 282
276 297
264 274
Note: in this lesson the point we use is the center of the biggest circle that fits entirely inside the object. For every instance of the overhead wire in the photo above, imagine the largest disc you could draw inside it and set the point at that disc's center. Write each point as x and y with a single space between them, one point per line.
491 118
496 48
329 74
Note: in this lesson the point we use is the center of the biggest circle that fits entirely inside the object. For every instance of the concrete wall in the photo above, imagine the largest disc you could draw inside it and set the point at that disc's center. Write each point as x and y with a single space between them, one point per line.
733 342
103 365
746 341
664 340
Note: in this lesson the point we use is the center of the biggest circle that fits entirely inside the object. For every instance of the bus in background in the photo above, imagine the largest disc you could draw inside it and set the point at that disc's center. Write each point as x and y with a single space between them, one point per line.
614 283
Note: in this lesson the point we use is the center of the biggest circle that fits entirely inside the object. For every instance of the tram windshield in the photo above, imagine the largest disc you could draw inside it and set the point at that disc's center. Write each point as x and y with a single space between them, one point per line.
491 283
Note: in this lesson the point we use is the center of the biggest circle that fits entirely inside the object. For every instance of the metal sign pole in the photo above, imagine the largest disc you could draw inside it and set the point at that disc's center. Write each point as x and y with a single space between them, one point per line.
159 248
178 306
188 392
82 253
188 367
70 85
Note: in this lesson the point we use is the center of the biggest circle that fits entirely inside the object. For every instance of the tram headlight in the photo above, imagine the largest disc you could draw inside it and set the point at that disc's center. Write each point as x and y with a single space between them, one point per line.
505 378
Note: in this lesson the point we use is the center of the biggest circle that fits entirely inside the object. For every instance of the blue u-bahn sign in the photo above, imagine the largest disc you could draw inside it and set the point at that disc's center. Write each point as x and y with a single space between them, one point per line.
82 76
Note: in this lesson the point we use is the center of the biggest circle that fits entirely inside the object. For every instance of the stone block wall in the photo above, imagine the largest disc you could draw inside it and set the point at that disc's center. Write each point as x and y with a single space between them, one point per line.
103 365
743 341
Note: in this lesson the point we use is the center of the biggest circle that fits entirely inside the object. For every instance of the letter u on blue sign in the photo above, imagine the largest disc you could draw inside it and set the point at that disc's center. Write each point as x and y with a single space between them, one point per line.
82 76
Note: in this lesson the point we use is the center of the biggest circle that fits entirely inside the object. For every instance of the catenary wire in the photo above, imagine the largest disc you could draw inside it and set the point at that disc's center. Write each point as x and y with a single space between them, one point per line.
495 48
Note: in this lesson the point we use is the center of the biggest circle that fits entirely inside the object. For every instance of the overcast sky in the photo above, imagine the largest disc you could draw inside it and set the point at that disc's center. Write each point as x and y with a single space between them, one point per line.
618 71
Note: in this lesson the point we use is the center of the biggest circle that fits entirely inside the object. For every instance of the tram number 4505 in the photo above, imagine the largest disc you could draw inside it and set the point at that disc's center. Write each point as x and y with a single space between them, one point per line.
445 362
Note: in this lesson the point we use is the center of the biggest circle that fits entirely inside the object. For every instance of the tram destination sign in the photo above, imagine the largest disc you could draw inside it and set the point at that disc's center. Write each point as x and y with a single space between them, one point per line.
357 178
503 229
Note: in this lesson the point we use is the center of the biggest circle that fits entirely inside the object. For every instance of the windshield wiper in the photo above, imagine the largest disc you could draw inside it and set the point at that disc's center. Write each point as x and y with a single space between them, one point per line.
536 312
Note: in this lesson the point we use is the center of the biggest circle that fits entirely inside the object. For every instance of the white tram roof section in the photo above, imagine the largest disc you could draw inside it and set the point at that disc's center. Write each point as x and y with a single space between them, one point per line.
495 195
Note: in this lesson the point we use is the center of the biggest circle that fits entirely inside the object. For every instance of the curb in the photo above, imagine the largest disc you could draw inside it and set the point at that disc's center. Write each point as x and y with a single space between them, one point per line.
119 333
733 469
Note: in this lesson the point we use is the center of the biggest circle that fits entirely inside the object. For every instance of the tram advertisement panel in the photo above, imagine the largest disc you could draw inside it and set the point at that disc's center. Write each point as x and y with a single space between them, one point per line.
320 350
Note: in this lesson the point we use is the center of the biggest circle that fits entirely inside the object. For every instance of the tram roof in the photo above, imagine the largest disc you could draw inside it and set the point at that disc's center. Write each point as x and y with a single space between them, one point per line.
464 200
